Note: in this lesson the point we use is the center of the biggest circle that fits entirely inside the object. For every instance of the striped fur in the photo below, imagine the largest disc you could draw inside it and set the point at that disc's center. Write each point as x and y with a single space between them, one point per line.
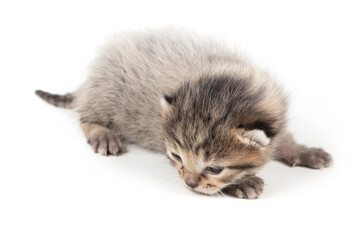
63 101
196 99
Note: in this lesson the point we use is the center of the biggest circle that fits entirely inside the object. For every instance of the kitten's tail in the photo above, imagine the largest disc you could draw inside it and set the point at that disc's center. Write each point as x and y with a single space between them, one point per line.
63 101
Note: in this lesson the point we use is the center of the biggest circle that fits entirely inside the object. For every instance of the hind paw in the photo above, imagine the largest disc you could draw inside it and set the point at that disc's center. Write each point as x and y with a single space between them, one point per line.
102 139
106 143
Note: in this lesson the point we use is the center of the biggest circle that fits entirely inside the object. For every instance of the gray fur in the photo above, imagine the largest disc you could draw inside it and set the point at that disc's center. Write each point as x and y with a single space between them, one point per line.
63 101
172 89
135 70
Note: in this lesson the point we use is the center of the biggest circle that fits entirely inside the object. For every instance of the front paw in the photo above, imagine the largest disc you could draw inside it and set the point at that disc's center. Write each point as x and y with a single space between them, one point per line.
249 187
315 158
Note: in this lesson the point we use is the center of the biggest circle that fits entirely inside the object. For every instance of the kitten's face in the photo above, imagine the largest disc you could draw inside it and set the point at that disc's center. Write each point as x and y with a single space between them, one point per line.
208 170
219 129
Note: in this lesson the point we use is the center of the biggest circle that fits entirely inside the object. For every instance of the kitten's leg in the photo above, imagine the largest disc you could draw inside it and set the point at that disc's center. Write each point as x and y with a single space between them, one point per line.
102 139
296 154
249 187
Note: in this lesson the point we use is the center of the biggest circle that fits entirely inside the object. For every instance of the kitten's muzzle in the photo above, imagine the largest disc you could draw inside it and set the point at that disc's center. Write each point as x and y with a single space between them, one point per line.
191 180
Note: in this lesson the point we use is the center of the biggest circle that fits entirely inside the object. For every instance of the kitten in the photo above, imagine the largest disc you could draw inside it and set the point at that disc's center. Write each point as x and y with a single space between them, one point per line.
217 117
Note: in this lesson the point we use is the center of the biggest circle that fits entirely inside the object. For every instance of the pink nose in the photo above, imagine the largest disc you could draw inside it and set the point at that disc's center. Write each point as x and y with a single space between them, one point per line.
191 184
192 181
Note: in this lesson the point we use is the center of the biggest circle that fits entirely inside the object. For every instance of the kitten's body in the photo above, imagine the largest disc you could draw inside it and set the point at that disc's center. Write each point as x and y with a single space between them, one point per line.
216 103
136 70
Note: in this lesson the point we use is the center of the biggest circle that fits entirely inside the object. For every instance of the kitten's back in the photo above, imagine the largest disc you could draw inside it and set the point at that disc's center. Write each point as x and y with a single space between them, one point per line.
136 69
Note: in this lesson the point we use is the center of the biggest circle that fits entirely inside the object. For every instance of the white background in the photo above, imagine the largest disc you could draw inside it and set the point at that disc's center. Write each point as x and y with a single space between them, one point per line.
52 186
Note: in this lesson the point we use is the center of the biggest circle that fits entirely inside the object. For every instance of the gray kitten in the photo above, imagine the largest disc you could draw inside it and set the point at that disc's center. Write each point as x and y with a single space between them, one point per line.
217 117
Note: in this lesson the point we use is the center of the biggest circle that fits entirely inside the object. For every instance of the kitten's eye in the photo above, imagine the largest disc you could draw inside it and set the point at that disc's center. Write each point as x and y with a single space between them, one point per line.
214 170
176 157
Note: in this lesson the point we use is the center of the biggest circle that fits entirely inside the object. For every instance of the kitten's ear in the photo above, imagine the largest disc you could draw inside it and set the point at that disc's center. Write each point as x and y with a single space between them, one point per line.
255 137
166 102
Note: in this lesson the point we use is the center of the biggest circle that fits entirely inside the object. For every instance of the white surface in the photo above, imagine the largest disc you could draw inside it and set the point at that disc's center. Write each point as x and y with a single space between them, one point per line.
53 187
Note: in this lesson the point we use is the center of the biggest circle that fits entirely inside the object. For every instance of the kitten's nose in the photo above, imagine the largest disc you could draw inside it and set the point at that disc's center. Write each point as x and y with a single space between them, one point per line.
192 181
191 184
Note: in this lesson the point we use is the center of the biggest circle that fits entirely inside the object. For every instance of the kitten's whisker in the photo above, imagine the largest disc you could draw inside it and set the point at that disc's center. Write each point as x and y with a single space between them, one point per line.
223 195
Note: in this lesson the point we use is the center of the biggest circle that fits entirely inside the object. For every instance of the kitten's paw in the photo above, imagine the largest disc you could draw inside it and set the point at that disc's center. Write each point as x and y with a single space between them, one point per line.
249 187
315 158
106 143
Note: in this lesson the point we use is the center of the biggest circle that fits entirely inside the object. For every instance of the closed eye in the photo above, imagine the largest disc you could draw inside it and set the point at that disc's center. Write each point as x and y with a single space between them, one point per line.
176 157
242 167
214 170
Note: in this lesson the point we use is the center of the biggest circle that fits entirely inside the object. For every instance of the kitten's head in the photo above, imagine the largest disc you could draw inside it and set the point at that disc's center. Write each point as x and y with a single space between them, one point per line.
219 129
